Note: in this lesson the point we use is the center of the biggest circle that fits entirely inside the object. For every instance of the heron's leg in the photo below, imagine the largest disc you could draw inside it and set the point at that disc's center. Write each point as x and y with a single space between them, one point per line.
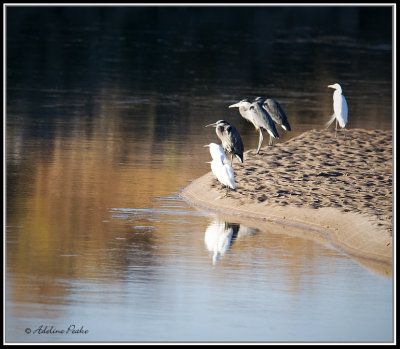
336 128
260 141
271 141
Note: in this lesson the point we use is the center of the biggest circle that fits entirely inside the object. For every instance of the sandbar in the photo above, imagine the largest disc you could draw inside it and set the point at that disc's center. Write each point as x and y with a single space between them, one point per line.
334 190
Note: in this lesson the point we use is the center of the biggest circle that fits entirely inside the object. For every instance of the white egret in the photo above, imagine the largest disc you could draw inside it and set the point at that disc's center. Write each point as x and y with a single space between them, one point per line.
216 151
221 167
224 173
340 109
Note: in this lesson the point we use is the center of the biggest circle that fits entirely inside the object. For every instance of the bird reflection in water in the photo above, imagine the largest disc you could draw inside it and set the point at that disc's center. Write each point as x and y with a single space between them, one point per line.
220 235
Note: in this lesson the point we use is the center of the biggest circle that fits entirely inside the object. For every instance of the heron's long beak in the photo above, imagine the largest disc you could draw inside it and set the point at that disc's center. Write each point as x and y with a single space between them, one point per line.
236 105
207 145
214 124
331 86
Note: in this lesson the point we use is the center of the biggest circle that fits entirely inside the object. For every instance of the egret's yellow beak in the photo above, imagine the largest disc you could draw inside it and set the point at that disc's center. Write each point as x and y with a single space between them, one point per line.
236 105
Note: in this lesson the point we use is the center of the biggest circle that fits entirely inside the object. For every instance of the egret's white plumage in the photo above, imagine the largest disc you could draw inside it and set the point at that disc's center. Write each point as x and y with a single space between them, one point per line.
224 173
217 152
340 109
221 166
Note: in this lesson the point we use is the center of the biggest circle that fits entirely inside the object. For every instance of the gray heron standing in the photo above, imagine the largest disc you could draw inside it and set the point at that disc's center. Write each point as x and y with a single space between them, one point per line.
259 117
230 138
275 111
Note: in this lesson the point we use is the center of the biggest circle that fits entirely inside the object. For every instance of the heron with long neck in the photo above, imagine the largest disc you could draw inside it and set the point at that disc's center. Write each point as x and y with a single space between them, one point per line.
259 117
230 138
275 111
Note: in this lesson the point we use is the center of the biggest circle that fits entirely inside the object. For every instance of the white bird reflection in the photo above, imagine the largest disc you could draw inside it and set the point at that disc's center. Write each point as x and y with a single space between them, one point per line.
220 235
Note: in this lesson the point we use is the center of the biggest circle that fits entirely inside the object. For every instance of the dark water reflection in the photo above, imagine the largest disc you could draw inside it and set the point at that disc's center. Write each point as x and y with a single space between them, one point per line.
106 109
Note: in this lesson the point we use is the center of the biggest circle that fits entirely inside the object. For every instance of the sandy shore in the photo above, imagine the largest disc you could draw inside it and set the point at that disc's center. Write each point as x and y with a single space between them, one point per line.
336 191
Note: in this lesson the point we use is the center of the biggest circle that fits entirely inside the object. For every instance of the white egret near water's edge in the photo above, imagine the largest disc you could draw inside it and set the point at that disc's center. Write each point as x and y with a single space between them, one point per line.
217 152
221 167
224 173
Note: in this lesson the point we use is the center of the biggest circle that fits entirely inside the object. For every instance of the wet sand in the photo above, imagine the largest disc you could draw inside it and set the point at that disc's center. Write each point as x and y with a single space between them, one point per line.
337 191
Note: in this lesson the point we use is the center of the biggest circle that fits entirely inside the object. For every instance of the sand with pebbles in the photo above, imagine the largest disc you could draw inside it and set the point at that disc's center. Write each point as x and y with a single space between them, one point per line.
339 188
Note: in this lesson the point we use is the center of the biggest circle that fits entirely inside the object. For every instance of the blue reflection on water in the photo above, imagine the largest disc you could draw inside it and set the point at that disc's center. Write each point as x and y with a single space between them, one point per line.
213 280
248 297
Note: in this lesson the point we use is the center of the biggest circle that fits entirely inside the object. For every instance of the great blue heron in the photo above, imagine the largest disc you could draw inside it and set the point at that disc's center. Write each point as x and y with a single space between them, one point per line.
275 111
230 138
259 117
221 167
340 109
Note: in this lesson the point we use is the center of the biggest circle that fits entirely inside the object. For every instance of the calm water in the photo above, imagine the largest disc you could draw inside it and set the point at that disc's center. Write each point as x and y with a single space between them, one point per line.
105 125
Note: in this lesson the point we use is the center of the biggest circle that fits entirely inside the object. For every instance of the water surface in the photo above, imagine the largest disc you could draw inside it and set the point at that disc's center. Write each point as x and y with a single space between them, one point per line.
105 120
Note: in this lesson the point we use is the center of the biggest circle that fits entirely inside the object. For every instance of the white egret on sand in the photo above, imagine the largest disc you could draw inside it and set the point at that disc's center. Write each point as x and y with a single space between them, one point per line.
221 167
216 151
340 109
224 173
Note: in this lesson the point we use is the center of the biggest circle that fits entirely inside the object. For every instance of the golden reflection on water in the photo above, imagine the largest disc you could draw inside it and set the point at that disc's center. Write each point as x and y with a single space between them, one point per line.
90 146
65 216
59 216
